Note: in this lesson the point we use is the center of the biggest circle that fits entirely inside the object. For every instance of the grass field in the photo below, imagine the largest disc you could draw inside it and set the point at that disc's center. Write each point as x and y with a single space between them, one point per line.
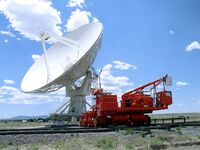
15 124
188 116
119 140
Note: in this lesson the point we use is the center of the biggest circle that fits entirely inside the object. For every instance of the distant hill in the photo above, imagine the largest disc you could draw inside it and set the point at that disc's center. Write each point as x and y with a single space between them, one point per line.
27 117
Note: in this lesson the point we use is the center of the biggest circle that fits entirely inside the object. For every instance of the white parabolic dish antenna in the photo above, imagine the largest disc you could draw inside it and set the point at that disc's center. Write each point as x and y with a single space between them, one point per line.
65 64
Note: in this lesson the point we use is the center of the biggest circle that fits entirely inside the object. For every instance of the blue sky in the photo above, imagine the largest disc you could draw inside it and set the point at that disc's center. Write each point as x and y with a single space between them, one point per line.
143 40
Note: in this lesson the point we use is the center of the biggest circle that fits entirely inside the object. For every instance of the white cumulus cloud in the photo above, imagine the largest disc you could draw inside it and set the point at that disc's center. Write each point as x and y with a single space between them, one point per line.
111 82
171 32
12 95
192 46
8 33
76 3
35 57
30 17
5 41
123 66
8 81
95 19
181 104
196 102
180 83
77 19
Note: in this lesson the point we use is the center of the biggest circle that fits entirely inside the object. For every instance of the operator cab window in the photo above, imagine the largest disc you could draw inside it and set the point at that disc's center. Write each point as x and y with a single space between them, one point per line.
168 93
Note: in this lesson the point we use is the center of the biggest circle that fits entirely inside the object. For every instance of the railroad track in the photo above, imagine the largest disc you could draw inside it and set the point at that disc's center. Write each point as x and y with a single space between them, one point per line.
50 131
78 129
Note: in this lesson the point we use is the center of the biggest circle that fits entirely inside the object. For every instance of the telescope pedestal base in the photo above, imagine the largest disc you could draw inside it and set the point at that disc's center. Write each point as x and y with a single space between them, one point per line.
70 111
77 106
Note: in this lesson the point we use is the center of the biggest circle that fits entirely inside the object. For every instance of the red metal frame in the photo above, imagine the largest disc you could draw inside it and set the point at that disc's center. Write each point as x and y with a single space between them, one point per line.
134 105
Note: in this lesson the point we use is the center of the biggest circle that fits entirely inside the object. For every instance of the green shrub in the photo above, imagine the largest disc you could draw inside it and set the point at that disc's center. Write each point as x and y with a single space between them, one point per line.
33 147
107 143
157 144
130 146
75 144
3 145
117 129
178 130
129 131
164 138
143 134
58 145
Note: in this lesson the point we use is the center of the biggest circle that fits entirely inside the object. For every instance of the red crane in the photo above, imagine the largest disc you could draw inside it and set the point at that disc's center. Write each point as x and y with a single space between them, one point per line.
134 105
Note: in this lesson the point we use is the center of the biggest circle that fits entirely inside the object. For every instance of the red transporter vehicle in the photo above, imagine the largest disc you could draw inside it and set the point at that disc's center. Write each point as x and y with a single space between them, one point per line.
134 105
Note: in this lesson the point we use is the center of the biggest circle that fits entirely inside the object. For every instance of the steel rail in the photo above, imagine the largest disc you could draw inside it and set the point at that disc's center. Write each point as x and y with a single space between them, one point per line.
78 129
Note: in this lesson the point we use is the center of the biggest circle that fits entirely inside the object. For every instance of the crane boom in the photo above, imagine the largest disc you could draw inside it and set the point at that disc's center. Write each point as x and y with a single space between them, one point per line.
154 83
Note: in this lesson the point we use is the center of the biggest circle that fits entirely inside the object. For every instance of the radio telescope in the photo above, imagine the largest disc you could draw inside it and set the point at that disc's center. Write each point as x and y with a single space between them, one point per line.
67 61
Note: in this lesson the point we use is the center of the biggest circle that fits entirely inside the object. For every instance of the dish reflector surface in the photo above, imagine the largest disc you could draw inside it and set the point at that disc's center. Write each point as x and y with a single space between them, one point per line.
65 64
